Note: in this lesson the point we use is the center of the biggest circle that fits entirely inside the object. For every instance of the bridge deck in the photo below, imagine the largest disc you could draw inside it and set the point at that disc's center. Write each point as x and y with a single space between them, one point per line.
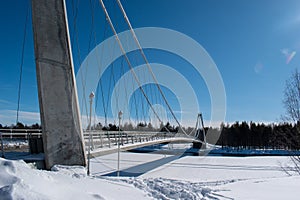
106 150
103 142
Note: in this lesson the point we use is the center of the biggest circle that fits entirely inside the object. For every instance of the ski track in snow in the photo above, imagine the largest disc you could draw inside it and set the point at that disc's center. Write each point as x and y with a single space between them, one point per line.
160 188
166 189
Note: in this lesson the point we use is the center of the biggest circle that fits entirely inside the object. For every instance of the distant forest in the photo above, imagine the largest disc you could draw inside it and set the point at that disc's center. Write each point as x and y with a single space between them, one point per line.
20 125
260 136
238 135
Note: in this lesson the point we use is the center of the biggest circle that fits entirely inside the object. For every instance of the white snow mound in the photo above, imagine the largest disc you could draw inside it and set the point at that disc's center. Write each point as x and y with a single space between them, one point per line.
19 181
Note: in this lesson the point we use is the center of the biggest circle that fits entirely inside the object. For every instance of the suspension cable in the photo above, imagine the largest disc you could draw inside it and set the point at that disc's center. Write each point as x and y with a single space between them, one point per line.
127 59
76 38
147 63
93 35
22 62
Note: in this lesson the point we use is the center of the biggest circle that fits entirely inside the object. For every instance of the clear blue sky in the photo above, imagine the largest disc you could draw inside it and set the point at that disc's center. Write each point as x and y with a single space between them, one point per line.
249 41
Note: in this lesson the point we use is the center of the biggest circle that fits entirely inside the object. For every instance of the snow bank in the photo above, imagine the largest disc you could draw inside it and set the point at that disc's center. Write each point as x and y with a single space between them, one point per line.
19 181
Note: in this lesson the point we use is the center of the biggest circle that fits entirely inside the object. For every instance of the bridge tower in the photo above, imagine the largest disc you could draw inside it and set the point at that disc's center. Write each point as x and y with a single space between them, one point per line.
200 129
60 116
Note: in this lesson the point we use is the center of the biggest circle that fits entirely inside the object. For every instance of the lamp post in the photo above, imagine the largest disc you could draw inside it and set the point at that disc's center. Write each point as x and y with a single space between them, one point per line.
92 95
118 168
2 151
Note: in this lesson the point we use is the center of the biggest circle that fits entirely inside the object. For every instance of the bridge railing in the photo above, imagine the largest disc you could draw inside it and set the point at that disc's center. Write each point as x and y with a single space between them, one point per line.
21 140
100 139
22 134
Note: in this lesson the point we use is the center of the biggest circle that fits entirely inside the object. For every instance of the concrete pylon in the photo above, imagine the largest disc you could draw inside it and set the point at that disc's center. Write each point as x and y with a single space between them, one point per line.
60 116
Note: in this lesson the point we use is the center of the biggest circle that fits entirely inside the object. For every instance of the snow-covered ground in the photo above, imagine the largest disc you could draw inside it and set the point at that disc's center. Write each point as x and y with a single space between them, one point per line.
16 144
19 181
154 176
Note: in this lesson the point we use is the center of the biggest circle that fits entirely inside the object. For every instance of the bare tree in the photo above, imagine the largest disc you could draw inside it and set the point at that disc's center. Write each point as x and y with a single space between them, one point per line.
291 100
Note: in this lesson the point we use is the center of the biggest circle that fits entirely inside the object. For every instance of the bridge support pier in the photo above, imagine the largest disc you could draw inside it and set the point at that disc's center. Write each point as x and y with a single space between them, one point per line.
60 117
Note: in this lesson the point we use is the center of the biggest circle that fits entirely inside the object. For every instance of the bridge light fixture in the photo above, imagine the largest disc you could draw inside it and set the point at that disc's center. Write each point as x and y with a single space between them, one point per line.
119 130
91 96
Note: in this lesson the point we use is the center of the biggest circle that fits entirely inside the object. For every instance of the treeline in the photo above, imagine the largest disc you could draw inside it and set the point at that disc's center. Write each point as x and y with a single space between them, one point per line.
259 136
20 125
141 126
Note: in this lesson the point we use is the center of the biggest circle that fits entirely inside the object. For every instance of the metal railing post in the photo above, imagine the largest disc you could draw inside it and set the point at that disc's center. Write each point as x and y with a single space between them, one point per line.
101 141
118 167
2 148
108 135
92 140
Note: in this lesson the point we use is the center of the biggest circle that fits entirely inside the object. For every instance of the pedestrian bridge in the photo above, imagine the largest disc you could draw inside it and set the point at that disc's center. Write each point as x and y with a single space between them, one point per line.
100 142
106 142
